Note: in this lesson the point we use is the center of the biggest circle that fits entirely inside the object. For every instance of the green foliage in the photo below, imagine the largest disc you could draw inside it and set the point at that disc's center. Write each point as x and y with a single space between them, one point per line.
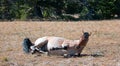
55 9
117 8
84 12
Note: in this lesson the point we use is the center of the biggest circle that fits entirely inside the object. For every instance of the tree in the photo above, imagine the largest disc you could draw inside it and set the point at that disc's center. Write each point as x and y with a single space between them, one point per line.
117 8
59 9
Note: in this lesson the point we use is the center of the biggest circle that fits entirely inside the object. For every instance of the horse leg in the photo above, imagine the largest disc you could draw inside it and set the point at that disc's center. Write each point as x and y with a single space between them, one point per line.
40 46
40 50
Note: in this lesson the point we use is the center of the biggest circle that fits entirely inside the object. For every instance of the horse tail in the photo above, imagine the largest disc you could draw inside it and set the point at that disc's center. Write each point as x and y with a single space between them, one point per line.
26 45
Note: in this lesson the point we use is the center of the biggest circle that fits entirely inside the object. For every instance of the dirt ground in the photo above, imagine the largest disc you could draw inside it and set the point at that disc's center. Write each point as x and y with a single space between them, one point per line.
103 48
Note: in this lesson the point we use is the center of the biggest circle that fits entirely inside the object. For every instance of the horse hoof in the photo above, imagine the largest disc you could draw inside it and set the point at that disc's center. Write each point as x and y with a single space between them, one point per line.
67 56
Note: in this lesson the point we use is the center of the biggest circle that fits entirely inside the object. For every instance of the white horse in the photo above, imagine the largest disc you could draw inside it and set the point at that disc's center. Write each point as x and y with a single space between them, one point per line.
67 47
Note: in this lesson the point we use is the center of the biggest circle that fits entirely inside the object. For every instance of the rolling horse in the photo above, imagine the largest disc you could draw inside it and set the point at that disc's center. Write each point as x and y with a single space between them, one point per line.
51 43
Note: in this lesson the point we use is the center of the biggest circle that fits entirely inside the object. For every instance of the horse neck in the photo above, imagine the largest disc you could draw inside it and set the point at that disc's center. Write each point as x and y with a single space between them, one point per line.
82 42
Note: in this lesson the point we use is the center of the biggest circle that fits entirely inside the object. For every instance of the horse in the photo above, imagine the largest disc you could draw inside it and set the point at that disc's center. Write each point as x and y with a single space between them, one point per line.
51 43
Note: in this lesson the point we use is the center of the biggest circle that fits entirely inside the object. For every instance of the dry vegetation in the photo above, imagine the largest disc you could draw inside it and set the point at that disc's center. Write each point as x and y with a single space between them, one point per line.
105 41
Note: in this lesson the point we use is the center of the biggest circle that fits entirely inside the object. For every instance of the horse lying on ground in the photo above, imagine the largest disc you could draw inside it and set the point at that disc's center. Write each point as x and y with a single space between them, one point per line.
50 43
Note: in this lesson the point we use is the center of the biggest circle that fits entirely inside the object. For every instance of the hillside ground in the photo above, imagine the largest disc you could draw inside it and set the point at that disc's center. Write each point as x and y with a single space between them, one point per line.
103 48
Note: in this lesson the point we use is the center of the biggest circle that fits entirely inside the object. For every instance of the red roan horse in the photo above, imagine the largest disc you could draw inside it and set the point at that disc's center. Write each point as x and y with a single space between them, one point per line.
50 43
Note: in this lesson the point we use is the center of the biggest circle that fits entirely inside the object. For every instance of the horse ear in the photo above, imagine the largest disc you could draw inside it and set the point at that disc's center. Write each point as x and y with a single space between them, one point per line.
90 33
82 31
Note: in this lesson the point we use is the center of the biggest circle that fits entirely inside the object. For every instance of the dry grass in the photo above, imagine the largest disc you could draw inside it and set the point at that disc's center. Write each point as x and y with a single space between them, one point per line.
104 40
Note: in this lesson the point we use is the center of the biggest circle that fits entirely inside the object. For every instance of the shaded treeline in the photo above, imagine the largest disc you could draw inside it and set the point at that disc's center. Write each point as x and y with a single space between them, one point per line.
59 9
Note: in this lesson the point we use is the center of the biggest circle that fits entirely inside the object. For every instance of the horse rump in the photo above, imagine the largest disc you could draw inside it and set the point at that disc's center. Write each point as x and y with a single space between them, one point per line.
26 45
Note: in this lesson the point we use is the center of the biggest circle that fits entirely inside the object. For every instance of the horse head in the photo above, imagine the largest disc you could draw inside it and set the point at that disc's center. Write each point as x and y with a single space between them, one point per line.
86 35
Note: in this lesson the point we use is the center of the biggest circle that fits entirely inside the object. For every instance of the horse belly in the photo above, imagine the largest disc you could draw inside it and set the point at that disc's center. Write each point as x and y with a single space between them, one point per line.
40 41
55 42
